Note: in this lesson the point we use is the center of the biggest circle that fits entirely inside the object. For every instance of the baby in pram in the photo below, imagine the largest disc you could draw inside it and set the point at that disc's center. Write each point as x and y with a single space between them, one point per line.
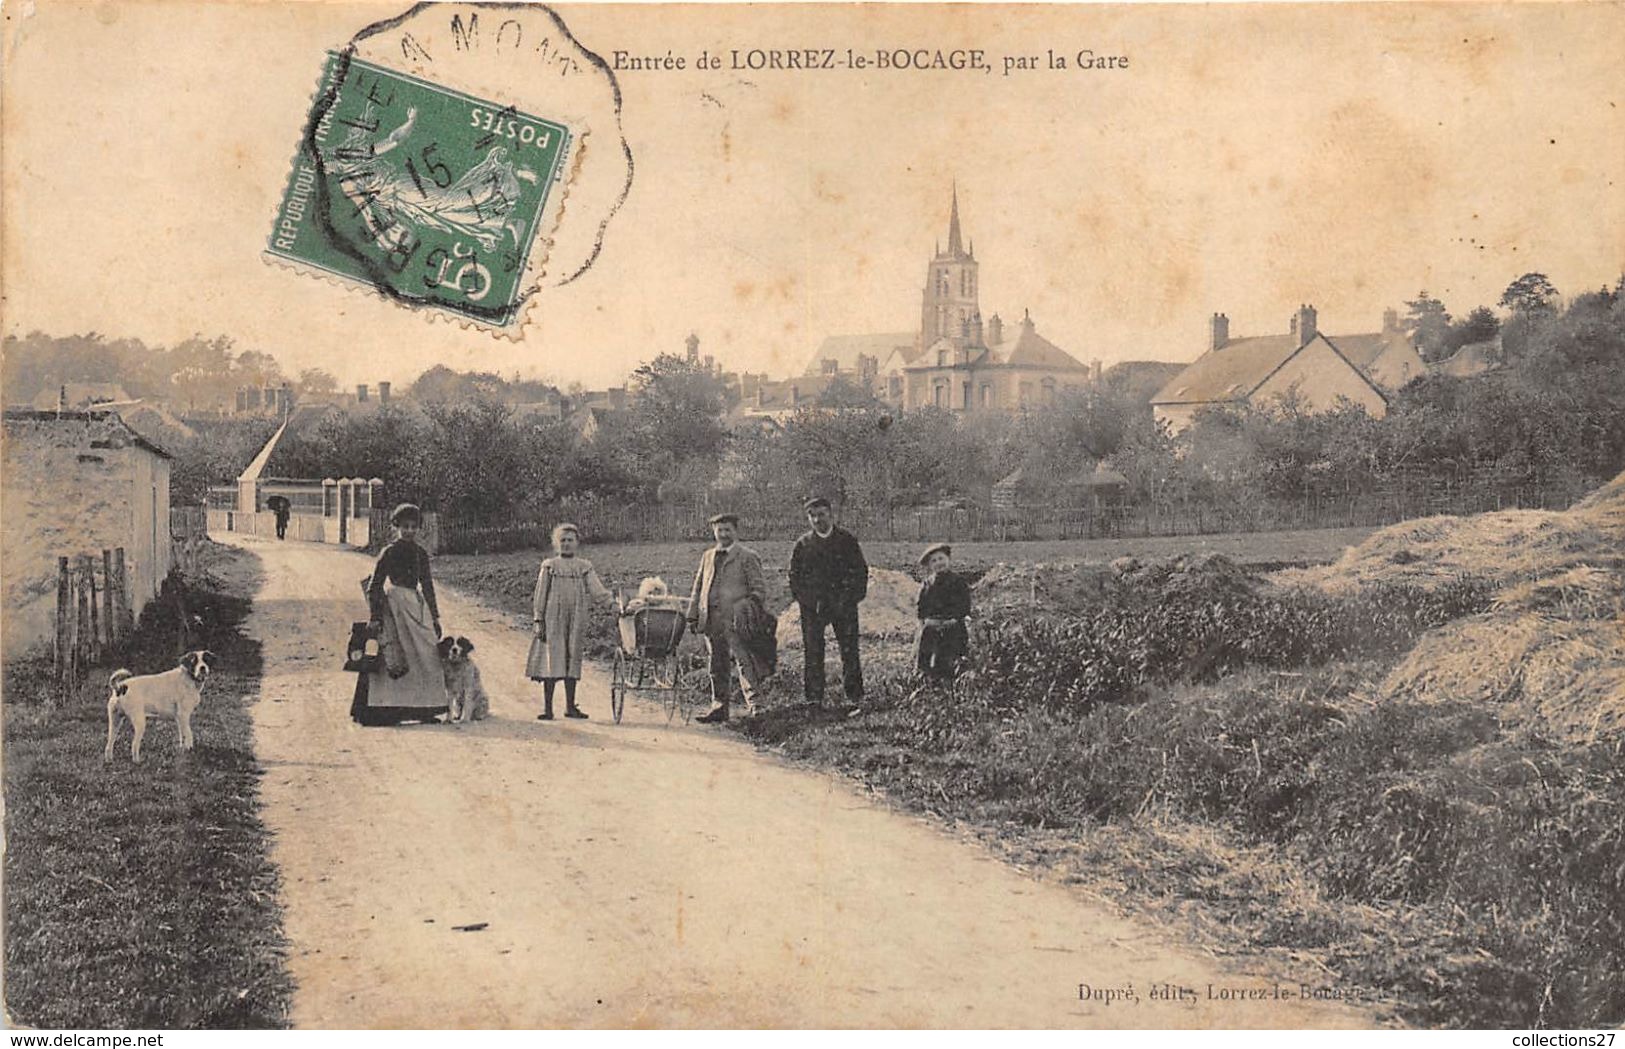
653 593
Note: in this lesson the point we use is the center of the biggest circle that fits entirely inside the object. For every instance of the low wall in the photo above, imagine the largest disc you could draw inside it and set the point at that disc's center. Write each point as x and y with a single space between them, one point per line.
308 528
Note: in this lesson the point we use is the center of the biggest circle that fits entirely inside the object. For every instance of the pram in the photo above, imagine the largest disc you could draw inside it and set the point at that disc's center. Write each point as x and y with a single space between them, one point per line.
647 659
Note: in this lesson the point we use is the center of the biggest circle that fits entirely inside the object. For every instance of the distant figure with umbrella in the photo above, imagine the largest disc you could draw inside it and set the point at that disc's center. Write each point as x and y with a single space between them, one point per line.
282 507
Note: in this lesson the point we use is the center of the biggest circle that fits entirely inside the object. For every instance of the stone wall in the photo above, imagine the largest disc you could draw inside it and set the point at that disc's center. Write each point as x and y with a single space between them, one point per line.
73 486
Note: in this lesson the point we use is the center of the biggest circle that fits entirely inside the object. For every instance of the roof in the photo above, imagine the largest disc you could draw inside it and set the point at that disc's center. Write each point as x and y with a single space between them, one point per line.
79 394
1363 350
776 393
1230 373
84 415
845 350
1475 358
1031 350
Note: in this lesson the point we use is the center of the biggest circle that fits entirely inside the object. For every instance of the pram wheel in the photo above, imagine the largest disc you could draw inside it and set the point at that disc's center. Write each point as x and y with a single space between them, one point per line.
617 687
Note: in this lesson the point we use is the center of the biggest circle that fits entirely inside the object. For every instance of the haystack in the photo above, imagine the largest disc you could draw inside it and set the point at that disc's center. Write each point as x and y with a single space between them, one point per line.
1550 654
1061 586
887 613
1563 677
1502 549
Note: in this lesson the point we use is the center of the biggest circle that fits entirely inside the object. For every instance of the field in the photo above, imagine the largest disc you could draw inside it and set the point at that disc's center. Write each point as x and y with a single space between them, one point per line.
142 896
1396 771
508 578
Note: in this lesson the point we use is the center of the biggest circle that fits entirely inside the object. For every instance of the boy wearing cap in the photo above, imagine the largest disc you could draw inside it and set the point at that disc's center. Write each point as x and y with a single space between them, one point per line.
828 578
943 605
730 572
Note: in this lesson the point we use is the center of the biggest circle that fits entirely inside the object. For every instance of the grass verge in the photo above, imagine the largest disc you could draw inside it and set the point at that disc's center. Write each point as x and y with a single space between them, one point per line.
142 896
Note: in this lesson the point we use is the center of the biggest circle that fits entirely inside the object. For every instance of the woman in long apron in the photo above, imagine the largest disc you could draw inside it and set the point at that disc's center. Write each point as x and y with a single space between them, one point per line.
411 686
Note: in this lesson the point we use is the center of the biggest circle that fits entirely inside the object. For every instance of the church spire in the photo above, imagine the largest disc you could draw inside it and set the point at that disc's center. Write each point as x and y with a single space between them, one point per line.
955 244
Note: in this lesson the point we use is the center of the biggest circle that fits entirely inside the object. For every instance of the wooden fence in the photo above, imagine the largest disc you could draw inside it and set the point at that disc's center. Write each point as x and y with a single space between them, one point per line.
783 520
95 609
94 614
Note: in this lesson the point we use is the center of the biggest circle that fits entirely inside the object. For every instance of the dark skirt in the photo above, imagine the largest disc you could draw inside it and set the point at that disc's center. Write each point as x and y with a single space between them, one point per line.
938 650
362 714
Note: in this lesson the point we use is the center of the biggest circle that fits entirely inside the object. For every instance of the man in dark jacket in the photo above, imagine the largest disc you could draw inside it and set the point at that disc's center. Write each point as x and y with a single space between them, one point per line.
828 578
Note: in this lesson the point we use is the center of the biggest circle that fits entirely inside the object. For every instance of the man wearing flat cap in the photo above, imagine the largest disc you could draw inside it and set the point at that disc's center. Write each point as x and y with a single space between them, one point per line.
730 573
828 578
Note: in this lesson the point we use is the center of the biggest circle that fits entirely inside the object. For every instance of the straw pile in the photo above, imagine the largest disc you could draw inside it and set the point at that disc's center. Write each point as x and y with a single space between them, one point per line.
1550 654
888 612
1503 549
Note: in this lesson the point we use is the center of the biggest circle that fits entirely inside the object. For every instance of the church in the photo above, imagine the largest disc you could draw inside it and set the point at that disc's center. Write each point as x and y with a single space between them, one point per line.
955 361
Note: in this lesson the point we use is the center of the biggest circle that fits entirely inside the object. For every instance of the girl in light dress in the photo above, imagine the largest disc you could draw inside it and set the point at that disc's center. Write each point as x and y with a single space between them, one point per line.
560 608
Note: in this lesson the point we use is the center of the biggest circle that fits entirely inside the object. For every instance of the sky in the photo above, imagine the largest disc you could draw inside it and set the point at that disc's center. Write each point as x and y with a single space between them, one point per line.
1248 159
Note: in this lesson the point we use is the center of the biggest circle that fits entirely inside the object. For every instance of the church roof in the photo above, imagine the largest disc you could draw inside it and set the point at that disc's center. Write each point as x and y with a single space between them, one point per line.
845 350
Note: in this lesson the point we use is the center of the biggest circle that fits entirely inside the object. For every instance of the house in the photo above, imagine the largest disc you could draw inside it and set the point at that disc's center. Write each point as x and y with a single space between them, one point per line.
1320 370
991 371
77 482
953 361
1475 358
79 395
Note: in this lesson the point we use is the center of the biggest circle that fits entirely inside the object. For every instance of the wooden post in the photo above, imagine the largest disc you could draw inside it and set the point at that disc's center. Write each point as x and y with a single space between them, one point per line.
108 608
126 613
95 640
64 632
82 604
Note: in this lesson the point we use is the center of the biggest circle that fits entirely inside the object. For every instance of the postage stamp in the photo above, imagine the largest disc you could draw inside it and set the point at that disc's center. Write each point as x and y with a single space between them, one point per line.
429 195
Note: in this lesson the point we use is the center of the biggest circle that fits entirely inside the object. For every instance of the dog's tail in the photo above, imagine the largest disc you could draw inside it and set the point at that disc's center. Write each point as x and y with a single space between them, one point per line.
117 680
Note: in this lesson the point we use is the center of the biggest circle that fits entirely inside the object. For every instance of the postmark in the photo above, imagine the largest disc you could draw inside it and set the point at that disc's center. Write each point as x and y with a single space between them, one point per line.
431 196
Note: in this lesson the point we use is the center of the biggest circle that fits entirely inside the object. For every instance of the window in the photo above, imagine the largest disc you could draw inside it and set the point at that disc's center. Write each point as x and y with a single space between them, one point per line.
1049 391
940 395
966 401
942 358
896 386
987 395
1026 392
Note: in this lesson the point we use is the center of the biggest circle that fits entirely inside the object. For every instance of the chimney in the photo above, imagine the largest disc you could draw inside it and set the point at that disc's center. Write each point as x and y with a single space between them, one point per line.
1303 324
1390 321
617 398
1218 331
1027 319
995 330
62 398
383 393
361 393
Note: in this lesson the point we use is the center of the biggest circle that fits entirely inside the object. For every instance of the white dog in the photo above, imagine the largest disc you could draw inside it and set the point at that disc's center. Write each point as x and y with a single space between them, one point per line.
465 693
172 694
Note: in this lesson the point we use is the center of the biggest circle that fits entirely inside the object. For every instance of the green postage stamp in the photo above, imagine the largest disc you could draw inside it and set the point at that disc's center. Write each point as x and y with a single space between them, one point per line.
428 195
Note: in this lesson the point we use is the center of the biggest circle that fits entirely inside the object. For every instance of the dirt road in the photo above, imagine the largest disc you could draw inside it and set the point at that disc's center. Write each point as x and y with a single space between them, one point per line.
639 875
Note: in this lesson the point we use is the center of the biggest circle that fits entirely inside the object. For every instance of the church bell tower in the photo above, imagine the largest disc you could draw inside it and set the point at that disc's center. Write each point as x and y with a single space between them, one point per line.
948 307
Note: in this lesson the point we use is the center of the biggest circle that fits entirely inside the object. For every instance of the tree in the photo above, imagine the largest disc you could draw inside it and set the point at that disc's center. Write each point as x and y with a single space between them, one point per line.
317 381
1530 294
1428 323
258 369
676 416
